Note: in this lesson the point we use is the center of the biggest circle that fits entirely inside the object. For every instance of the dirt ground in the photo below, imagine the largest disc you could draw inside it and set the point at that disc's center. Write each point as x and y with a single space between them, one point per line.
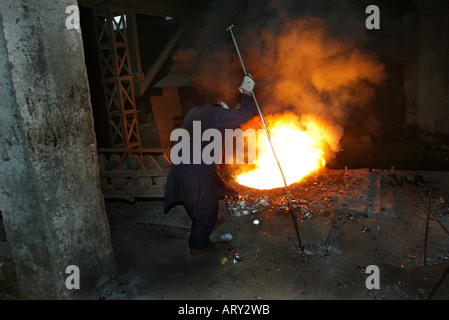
348 220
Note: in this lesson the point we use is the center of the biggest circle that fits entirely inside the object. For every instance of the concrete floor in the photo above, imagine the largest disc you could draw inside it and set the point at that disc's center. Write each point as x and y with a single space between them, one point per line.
351 219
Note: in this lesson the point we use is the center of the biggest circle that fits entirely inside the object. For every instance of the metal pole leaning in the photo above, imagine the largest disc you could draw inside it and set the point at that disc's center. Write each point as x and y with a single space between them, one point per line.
295 222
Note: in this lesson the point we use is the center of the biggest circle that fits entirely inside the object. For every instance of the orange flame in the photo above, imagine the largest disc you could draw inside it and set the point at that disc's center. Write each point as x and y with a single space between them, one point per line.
323 79
302 66
300 146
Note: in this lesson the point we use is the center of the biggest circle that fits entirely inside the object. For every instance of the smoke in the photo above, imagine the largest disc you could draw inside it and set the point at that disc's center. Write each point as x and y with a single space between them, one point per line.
318 74
306 57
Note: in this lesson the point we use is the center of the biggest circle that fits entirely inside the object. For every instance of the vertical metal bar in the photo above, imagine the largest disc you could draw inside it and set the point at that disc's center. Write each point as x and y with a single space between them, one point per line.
427 230
295 222
134 50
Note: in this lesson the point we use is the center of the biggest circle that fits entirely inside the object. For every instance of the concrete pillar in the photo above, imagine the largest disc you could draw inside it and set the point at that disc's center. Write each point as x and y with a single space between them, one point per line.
50 197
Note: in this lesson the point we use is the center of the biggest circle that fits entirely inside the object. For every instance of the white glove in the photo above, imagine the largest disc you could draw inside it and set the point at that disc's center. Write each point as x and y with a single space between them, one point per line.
247 84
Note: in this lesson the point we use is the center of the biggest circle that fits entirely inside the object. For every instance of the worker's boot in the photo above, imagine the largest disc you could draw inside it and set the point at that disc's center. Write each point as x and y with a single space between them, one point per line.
209 247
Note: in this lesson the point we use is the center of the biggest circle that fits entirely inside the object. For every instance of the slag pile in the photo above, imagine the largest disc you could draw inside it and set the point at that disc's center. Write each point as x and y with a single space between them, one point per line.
301 205
245 205
239 206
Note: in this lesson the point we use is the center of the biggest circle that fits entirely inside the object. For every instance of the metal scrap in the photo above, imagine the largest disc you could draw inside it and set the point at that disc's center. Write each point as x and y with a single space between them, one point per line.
245 206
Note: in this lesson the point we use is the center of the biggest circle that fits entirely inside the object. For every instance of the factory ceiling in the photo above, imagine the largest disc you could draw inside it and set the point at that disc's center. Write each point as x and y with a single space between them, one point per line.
175 8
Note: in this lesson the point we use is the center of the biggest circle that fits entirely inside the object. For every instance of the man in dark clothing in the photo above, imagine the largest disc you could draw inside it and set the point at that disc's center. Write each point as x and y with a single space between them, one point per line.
199 186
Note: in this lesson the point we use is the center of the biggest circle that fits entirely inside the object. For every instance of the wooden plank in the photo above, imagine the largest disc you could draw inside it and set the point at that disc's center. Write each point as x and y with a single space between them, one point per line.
136 150
160 60
133 174
125 194
165 108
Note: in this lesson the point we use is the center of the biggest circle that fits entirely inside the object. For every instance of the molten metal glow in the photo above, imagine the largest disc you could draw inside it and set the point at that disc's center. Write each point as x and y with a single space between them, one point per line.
298 147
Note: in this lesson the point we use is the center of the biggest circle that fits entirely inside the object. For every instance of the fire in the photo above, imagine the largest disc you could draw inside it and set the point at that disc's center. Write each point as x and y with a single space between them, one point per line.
321 75
318 76
300 149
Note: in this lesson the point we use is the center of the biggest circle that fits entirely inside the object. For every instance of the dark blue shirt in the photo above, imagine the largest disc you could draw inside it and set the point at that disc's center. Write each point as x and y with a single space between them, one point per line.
211 116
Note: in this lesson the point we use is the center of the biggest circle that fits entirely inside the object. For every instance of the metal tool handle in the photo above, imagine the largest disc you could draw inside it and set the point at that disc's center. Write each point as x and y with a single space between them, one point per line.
252 92
237 47
269 140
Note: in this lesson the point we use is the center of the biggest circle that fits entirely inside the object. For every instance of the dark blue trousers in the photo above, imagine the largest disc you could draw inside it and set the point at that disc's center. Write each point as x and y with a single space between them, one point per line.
199 195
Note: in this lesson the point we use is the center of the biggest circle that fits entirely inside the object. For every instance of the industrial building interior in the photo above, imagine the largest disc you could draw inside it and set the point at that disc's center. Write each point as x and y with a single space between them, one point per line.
87 113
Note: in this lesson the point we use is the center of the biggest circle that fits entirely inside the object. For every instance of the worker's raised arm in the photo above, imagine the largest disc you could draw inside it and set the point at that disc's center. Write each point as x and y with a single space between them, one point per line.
228 119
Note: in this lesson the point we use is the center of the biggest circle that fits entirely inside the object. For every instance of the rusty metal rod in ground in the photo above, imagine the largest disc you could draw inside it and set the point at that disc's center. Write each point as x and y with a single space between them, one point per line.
431 213
271 144
438 283
427 230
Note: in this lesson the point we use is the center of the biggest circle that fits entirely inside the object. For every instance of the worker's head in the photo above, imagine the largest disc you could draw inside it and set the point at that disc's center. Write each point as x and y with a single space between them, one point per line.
221 104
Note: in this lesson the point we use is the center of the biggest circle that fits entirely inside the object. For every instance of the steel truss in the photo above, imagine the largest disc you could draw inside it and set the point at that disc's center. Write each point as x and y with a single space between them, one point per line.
113 26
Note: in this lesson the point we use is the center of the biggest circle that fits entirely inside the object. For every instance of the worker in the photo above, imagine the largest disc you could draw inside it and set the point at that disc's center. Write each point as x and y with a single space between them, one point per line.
199 187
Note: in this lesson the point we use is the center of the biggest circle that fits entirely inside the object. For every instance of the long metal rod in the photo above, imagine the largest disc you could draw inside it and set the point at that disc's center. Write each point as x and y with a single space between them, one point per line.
424 205
438 283
269 140
427 230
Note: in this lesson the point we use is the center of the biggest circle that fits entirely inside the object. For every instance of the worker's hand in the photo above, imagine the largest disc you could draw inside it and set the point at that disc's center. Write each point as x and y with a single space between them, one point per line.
247 85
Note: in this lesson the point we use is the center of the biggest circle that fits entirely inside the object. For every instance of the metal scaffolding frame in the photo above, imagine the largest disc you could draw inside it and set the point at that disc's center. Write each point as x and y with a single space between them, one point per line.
115 29
127 171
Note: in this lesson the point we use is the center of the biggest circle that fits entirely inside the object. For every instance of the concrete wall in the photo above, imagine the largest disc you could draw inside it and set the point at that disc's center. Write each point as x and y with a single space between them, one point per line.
426 66
50 198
